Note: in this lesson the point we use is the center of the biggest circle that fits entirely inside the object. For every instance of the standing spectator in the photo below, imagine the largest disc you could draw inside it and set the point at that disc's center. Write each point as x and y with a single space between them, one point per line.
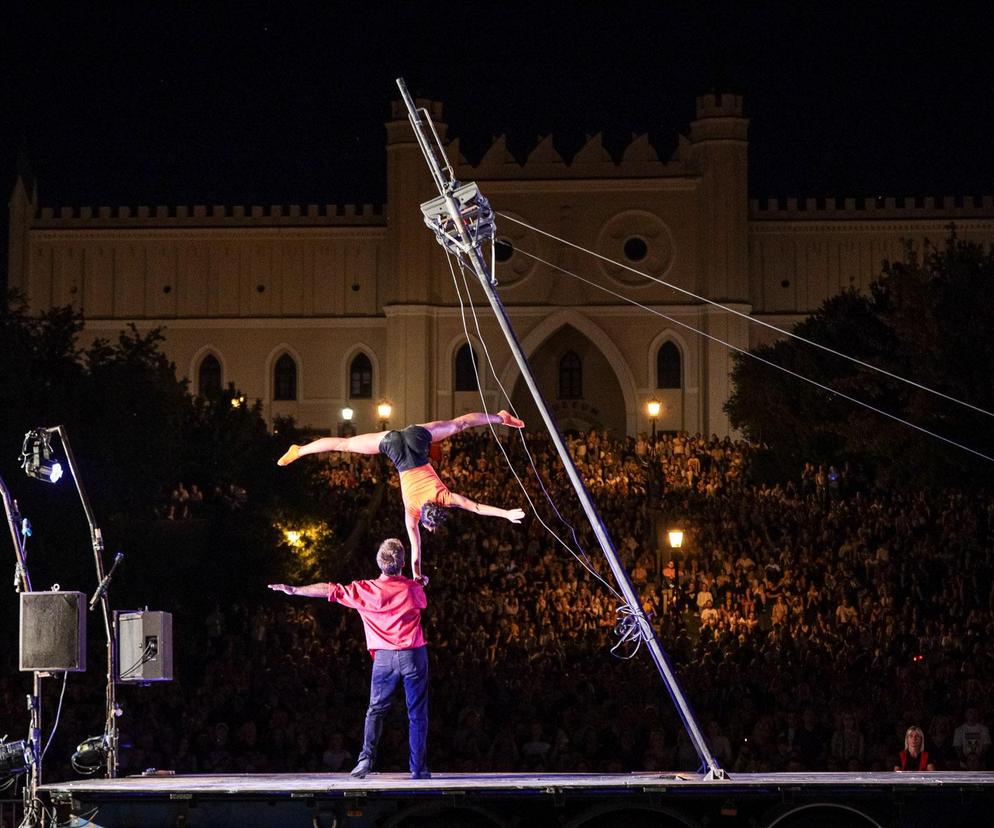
914 757
847 741
971 741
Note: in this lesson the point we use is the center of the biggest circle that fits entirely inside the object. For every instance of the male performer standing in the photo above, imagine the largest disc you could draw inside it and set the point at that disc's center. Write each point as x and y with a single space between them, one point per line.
390 608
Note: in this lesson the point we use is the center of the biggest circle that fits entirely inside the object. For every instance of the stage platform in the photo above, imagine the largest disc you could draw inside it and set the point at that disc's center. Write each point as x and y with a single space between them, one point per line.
392 800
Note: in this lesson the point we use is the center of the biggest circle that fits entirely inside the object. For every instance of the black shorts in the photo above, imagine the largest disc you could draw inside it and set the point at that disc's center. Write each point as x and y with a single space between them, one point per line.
407 449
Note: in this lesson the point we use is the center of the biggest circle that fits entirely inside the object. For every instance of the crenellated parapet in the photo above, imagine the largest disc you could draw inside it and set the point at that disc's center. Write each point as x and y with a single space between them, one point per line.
638 160
827 209
162 217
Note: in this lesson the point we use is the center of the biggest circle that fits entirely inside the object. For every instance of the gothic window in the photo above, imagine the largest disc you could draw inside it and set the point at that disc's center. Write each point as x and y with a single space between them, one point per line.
669 371
466 367
361 378
285 378
209 377
570 377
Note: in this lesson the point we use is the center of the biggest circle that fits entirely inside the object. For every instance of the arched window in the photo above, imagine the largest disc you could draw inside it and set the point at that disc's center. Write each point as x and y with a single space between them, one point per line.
361 378
669 371
570 377
466 365
285 378
209 377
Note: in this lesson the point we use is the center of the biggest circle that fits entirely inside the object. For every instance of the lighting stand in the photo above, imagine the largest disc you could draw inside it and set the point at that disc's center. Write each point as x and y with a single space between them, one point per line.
112 710
22 583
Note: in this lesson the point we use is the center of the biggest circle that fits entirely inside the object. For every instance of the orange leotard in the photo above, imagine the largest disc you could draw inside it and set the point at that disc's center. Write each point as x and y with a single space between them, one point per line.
422 485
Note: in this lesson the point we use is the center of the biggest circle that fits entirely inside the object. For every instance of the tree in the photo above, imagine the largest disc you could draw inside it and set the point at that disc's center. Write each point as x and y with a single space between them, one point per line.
926 318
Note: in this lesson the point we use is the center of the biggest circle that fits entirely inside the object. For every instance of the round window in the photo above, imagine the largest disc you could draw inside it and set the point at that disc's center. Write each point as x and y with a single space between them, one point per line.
636 249
503 250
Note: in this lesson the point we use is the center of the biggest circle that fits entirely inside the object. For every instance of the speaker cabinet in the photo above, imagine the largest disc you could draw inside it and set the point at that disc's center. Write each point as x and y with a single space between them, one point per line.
53 632
144 647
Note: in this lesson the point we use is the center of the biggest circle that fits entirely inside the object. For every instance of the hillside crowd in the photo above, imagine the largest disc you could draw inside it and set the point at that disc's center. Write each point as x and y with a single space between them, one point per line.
810 624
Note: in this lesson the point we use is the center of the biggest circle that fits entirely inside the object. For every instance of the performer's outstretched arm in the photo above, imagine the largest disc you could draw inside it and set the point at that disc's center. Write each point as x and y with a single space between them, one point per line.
513 515
414 536
308 591
442 429
360 444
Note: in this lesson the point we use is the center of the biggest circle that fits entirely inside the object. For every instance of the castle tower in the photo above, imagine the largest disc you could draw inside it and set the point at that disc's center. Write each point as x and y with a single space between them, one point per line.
719 155
407 285
23 205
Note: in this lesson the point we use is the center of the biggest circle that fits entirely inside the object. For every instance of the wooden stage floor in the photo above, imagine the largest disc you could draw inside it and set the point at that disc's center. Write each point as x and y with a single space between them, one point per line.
785 800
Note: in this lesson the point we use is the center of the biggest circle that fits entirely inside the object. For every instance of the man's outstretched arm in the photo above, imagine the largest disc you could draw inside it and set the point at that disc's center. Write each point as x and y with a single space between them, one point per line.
308 590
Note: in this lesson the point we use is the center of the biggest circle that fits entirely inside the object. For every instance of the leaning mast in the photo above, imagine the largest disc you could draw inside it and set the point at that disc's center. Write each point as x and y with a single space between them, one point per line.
462 220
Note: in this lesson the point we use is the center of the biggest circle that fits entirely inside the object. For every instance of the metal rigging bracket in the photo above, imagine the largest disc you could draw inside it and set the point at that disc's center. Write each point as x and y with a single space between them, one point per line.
475 213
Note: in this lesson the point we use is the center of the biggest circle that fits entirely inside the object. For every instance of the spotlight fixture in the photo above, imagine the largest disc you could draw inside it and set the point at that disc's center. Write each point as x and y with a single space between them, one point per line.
36 456
15 757
90 754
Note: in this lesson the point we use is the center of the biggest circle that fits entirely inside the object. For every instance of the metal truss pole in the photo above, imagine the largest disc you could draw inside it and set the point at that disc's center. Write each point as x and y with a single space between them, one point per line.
459 239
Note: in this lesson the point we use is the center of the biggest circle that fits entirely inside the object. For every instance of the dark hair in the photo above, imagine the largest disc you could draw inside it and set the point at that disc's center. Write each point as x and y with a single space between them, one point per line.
390 557
433 515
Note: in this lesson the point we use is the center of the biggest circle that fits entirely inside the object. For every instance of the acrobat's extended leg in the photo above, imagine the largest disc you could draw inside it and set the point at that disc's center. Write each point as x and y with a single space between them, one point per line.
360 444
442 429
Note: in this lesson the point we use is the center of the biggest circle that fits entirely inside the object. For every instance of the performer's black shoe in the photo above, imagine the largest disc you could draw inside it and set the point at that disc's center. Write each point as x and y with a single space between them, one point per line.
423 774
361 770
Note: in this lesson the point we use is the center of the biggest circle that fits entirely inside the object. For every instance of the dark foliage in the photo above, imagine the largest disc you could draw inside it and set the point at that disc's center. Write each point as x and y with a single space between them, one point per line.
928 318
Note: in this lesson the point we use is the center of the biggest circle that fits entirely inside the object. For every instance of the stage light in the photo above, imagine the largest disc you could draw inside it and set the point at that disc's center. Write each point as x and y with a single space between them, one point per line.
15 757
36 456
90 754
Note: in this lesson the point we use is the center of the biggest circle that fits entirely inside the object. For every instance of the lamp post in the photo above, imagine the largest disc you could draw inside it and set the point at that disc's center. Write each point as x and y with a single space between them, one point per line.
383 411
653 407
346 429
675 537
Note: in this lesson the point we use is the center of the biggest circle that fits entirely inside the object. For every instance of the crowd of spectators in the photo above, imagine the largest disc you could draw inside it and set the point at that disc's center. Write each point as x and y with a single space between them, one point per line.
810 624
184 502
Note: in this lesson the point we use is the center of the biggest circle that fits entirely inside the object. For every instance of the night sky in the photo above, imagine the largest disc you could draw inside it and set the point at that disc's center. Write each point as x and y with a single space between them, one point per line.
158 103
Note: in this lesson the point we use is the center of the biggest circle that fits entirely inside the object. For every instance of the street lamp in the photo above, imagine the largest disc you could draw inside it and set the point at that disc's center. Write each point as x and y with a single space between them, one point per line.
653 407
383 410
347 429
675 537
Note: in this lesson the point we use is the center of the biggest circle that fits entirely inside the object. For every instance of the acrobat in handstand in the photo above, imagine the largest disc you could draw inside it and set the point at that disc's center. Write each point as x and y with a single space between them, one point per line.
426 498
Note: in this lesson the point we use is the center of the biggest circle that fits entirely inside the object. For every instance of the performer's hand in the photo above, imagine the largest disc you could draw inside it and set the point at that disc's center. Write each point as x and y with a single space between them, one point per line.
515 515
508 419
421 579
289 590
291 454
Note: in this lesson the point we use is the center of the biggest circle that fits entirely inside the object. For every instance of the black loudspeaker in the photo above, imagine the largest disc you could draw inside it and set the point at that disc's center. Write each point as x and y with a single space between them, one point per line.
53 632
144 646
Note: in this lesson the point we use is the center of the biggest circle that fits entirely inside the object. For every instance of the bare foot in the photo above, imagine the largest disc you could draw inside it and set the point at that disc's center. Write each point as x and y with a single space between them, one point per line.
292 454
509 419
